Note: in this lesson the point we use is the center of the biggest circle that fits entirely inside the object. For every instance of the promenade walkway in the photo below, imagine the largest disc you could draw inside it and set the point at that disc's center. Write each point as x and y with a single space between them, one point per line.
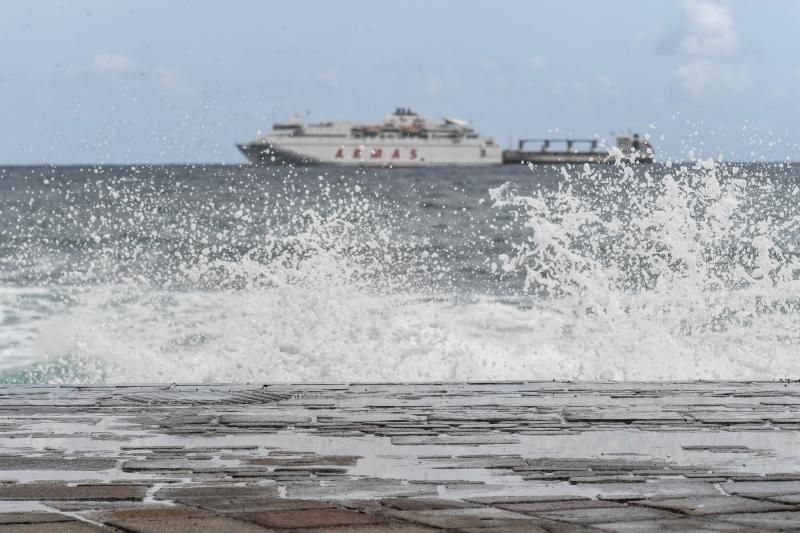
495 457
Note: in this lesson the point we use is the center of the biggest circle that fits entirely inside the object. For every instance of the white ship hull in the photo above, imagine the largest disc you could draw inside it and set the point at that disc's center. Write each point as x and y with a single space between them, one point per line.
376 153
403 139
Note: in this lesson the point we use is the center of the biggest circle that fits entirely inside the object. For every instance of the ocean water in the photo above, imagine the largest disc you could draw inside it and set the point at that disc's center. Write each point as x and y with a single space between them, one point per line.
228 273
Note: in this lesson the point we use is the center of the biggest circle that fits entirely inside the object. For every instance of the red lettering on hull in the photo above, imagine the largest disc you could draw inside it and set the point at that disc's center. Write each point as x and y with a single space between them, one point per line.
377 153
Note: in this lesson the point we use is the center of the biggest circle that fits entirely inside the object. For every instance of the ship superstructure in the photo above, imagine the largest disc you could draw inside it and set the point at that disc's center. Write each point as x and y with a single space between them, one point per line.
629 148
403 139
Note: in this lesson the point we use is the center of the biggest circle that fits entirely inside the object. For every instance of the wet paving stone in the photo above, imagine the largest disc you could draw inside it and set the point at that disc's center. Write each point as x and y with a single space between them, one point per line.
781 519
497 501
151 513
785 498
253 504
263 421
464 518
33 518
539 456
715 505
313 460
74 526
693 525
220 490
761 488
55 463
310 518
654 489
453 440
599 515
415 504
53 491
184 525
558 505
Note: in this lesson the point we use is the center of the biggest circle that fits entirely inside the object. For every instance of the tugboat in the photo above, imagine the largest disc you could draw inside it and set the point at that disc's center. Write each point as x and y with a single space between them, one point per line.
402 139
553 151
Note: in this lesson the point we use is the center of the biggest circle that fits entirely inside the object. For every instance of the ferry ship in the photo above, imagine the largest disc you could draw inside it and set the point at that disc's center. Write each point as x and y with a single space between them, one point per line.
403 139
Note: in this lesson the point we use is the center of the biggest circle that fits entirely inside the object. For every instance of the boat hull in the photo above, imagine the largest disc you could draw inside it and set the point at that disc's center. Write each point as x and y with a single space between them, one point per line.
401 153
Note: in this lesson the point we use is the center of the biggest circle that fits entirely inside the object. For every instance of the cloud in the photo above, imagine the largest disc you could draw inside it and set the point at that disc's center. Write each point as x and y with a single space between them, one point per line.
702 78
169 81
708 42
537 62
708 31
111 63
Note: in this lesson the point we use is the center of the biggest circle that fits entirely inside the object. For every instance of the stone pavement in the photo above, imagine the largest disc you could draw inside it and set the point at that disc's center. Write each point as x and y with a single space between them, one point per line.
484 457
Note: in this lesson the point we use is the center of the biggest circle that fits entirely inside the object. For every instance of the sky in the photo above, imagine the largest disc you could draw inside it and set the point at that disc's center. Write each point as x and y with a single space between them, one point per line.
84 81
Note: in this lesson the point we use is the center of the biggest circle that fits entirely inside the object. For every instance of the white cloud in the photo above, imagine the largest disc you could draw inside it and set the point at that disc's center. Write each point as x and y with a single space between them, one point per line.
701 78
709 31
537 63
708 42
173 82
168 80
606 84
112 63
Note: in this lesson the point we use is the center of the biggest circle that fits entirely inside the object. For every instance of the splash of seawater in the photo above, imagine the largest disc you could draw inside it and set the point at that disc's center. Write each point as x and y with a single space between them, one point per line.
693 275
690 273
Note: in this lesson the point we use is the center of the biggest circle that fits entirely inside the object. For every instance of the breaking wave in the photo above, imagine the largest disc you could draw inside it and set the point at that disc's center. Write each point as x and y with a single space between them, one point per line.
678 272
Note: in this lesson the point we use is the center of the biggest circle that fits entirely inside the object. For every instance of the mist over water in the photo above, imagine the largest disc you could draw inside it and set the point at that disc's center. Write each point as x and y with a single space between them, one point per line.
192 273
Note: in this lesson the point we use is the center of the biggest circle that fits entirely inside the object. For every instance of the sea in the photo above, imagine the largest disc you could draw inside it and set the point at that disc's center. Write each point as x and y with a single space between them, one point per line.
212 273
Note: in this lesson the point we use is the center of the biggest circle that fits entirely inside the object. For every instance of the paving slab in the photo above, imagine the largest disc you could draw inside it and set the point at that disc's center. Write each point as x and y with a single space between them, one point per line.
218 490
517 456
780 519
150 513
185 525
681 524
464 518
54 527
599 515
415 504
377 528
557 505
33 518
710 505
58 491
252 504
785 498
762 488
55 463
310 518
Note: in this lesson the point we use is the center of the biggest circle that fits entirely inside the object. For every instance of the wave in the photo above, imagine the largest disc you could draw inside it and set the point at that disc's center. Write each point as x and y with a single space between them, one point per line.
690 272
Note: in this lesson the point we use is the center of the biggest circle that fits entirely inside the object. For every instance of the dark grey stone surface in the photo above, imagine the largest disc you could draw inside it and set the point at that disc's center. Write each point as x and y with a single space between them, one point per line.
542 456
